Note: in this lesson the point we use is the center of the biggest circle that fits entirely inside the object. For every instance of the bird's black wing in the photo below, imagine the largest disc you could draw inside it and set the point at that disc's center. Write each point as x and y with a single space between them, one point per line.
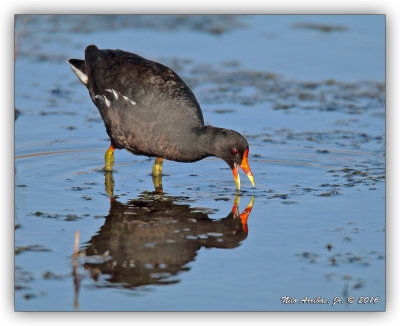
150 85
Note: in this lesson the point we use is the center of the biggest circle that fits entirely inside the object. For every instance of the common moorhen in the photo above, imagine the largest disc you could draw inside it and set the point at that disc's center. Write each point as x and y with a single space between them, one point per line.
148 110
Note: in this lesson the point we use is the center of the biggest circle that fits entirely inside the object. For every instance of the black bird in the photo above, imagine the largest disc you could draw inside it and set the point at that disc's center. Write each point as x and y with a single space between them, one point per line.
148 110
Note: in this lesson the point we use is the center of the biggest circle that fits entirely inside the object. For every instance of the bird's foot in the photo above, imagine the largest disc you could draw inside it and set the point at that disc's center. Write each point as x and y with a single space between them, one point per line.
157 182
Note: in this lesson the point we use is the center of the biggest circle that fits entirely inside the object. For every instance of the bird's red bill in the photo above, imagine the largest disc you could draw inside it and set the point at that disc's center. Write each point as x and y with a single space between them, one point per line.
235 172
245 163
246 169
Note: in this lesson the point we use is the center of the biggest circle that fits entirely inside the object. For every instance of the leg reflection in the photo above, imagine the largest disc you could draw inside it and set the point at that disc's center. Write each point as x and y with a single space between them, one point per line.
109 183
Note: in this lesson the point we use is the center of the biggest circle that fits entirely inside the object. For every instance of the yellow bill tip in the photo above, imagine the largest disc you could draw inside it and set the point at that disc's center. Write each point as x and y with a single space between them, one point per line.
236 176
251 178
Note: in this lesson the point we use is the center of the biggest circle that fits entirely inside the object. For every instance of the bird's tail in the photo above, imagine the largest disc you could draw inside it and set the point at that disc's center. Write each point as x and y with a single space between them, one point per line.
78 67
91 53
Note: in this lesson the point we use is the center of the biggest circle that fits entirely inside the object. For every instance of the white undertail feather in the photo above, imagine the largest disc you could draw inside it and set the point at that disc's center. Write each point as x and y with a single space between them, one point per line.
81 75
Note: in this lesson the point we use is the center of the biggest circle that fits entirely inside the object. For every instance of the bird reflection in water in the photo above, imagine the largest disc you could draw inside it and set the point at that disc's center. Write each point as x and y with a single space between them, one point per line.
151 239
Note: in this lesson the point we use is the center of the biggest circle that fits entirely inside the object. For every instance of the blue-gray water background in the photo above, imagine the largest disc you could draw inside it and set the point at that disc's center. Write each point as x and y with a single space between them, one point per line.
308 93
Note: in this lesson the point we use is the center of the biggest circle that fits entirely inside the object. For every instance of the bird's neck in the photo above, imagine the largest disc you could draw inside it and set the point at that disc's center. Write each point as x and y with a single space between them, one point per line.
207 141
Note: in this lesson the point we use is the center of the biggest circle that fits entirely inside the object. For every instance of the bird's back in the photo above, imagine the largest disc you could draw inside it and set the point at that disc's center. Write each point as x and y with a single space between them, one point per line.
146 107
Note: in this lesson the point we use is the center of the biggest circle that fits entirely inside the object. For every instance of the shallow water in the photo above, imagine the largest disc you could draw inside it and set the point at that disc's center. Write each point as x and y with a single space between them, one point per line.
308 94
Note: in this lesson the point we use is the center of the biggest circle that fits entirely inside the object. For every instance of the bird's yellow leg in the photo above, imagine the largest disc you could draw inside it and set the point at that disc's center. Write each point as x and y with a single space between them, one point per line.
109 159
157 174
157 167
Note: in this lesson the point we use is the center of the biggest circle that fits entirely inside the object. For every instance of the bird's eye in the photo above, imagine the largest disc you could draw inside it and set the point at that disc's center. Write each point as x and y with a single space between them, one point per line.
235 151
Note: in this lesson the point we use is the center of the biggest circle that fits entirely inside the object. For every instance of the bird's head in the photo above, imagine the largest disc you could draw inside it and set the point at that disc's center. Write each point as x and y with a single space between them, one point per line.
233 148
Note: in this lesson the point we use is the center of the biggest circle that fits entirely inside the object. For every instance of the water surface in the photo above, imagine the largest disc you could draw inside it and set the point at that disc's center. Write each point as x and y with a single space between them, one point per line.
307 92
